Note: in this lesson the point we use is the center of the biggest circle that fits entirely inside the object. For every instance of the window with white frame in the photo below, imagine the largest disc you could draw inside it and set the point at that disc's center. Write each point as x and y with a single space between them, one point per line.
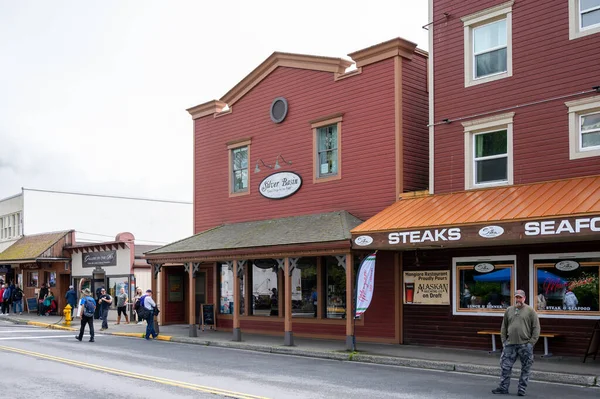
327 148
584 127
566 285
488 44
239 177
488 151
584 18
483 286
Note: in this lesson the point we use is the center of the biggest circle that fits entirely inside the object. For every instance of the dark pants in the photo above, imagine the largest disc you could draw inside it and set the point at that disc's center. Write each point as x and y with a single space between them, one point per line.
89 321
150 327
509 356
104 317
5 307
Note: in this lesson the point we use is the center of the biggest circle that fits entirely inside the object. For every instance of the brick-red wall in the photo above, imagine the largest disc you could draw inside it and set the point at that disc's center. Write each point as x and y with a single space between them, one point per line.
367 146
545 64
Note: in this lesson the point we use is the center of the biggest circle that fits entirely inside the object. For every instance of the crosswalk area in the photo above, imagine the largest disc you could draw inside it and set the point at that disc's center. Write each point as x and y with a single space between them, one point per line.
12 332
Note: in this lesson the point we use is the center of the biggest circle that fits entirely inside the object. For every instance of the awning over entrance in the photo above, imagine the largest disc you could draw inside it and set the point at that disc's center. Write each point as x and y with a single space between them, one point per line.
36 248
562 210
290 234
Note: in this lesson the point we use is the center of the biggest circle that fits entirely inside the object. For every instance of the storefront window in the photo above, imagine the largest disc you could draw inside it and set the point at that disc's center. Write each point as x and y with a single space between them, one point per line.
335 278
226 291
32 281
566 286
305 293
265 288
52 279
114 287
483 286
242 282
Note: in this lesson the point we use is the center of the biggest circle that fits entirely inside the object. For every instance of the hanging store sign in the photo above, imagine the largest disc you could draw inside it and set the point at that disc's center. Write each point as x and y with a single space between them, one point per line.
427 287
101 258
567 229
280 185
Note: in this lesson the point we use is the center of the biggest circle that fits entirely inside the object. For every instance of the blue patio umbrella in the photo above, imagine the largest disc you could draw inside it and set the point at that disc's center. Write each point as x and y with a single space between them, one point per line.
499 275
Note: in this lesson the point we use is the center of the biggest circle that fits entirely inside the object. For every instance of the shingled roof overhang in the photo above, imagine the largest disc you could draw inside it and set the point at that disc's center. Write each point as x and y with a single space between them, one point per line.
34 248
95 247
554 211
307 234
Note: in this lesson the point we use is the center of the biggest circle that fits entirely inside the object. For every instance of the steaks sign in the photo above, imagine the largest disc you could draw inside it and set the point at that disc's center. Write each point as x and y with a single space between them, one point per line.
534 231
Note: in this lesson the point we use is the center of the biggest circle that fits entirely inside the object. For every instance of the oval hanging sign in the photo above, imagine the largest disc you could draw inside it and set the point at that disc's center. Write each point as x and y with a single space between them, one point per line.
567 265
280 185
363 241
484 267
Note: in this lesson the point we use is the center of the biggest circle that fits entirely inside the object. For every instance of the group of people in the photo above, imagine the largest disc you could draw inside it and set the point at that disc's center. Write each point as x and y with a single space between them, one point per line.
10 294
88 307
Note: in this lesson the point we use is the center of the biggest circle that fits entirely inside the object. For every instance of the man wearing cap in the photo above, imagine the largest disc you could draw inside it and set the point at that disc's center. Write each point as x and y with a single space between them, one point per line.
519 333
150 305
87 317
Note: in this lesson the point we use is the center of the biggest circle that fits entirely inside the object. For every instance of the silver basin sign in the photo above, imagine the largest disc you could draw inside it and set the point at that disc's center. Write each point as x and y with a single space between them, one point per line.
280 185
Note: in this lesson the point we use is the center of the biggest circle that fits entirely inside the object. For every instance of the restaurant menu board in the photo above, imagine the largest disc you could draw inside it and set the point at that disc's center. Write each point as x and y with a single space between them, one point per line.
208 315
427 287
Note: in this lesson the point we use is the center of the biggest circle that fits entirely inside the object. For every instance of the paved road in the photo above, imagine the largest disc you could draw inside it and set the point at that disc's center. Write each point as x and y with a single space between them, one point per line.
52 364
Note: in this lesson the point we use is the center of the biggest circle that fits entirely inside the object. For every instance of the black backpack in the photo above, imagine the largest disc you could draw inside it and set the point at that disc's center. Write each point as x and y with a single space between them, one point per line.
17 294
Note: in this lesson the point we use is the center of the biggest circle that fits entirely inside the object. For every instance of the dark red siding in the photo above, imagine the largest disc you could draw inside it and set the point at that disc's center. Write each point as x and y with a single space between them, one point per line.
546 64
415 133
367 145
436 326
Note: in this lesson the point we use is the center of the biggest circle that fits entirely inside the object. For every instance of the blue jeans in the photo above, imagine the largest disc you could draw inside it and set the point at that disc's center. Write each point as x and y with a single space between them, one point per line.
150 327
104 317
19 304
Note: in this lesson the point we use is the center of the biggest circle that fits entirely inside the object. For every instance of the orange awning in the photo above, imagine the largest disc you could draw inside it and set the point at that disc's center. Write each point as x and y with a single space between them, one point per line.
504 207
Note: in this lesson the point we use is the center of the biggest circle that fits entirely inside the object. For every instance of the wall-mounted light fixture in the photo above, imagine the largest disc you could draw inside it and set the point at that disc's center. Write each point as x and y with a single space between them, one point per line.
283 159
257 169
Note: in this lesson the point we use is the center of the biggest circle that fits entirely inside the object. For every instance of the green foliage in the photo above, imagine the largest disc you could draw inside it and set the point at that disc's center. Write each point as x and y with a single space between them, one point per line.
483 289
587 294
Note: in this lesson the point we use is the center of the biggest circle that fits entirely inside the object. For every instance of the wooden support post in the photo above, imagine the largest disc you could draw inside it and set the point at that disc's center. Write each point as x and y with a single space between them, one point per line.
156 268
237 332
192 301
349 302
288 337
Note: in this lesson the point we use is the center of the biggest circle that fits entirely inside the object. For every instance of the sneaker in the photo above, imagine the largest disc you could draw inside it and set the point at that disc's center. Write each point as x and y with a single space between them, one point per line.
140 322
91 340
521 393
499 391
102 329
77 338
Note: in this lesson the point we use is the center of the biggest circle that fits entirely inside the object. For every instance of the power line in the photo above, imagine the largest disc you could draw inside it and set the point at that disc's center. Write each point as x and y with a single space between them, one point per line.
105 235
107 196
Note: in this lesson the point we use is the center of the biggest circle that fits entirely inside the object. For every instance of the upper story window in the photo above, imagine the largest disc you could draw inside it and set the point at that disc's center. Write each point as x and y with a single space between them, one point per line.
488 44
584 18
239 177
488 151
584 127
10 226
327 148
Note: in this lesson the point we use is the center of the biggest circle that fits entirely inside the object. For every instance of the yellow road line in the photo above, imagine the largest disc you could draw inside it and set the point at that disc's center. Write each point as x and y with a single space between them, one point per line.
180 384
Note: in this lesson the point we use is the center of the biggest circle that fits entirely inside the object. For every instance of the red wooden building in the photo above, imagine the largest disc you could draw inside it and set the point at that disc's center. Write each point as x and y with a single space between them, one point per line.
299 152
514 191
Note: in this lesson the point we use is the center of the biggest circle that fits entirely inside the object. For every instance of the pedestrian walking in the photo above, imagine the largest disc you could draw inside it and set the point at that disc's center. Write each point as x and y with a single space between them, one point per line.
87 306
149 310
138 295
104 303
71 297
17 300
520 331
4 292
122 306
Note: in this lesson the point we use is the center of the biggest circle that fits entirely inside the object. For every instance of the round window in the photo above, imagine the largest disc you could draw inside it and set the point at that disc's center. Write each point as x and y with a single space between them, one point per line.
279 109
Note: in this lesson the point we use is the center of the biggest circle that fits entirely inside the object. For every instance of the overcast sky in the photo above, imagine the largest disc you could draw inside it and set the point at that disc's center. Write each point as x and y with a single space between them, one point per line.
93 93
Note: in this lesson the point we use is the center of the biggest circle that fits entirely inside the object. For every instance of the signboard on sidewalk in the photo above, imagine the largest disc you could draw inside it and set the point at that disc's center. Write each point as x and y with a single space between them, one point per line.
427 287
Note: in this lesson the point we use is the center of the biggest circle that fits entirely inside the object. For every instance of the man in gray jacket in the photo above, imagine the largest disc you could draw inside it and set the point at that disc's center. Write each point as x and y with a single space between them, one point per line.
520 331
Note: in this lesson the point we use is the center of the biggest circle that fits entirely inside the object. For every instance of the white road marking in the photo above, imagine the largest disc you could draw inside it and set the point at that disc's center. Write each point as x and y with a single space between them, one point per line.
72 336
37 330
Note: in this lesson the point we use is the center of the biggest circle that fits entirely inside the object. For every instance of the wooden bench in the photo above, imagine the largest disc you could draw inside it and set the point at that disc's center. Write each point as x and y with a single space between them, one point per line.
497 332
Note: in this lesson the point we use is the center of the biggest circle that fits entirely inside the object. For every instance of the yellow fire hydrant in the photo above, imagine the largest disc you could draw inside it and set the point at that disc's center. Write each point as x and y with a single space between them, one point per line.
67 313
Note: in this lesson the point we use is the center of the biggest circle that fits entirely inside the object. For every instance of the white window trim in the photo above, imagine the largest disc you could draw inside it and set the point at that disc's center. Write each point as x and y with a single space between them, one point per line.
230 148
532 281
336 120
491 124
576 109
507 258
501 11
575 32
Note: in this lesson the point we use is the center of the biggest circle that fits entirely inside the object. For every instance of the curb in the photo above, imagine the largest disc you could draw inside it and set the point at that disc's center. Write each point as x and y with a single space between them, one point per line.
545 376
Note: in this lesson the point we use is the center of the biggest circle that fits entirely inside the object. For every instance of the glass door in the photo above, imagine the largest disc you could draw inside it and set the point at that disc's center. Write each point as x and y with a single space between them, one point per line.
200 293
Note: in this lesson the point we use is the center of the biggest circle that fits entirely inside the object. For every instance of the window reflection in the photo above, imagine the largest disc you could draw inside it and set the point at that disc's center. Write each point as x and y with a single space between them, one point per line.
335 277
265 287
305 294
484 286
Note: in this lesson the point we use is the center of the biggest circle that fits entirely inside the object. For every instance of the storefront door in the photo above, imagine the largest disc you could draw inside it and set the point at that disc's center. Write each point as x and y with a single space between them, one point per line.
200 294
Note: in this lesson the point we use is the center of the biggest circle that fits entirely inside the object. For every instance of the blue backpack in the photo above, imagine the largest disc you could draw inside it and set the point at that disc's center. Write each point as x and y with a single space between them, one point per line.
89 306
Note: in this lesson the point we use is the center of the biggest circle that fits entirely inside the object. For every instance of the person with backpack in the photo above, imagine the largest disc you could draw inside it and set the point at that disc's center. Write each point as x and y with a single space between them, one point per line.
17 300
148 307
87 307
136 305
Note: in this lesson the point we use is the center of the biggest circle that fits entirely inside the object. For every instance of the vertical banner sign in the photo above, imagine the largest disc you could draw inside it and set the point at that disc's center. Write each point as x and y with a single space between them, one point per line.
364 286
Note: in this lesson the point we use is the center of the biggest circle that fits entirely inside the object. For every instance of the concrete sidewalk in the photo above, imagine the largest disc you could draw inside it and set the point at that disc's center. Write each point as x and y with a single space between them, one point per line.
568 370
